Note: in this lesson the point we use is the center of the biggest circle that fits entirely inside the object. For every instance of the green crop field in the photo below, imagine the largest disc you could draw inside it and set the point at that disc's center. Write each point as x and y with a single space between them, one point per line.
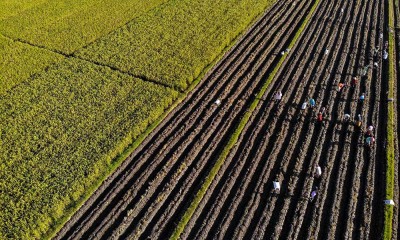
60 131
74 91
173 44
68 25
19 61
12 7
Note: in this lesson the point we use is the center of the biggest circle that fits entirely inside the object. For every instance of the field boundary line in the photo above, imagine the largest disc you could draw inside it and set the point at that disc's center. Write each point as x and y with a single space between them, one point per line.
390 155
235 136
72 56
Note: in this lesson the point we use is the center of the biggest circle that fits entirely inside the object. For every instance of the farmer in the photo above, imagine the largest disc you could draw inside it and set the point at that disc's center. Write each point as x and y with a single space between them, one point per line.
318 171
354 81
304 106
364 71
376 51
277 186
312 103
278 96
326 51
340 86
376 65
323 110
370 130
359 121
385 54
369 141
319 117
313 194
346 117
362 98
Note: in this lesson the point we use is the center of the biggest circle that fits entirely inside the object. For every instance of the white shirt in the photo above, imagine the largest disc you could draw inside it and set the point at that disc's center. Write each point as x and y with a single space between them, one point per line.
319 171
277 185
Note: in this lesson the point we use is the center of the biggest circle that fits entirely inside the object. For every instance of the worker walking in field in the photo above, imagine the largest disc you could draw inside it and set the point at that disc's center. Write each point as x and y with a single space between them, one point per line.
362 98
369 141
320 117
323 110
385 54
346 117
304 106
359 121
341 86
313 194
318 171
376 51
354 81
277 186
312 103
364 71
370 131
278 96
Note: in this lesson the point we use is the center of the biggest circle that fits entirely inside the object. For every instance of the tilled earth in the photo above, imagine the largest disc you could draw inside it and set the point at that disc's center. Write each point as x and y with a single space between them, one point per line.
147 195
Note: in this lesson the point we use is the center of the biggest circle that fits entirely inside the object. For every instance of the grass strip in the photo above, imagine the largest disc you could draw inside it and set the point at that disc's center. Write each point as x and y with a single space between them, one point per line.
388 212
235 136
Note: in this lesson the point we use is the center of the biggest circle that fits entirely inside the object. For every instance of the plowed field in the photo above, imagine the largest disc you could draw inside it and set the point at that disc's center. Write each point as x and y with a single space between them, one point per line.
149 193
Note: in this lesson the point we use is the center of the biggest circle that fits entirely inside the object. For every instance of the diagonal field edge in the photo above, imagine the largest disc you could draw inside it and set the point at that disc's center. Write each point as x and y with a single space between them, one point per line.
390 155
140 77
235 136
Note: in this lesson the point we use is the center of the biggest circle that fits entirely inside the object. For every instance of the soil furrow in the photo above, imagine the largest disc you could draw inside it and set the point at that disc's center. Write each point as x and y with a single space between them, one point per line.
196 97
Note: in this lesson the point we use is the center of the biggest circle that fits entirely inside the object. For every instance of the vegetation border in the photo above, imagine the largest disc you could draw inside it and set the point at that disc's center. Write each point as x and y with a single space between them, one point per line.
390 154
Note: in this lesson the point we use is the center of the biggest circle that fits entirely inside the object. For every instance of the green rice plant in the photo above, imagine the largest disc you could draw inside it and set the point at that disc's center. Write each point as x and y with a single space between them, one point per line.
20 61
174 42
65 26
60 132
9 8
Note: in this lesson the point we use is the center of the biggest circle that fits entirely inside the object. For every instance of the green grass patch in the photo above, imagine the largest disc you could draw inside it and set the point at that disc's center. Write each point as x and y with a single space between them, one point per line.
60 132
173 43
390 155
19 61
68 25
235 136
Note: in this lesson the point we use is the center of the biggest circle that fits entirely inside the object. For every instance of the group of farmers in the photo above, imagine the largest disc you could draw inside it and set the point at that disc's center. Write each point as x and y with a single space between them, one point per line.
368 134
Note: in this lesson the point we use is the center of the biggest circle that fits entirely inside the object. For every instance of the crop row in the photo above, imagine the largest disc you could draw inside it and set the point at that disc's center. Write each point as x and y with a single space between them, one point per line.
173 44
19 61
390 151
68 26
59 132
235 136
